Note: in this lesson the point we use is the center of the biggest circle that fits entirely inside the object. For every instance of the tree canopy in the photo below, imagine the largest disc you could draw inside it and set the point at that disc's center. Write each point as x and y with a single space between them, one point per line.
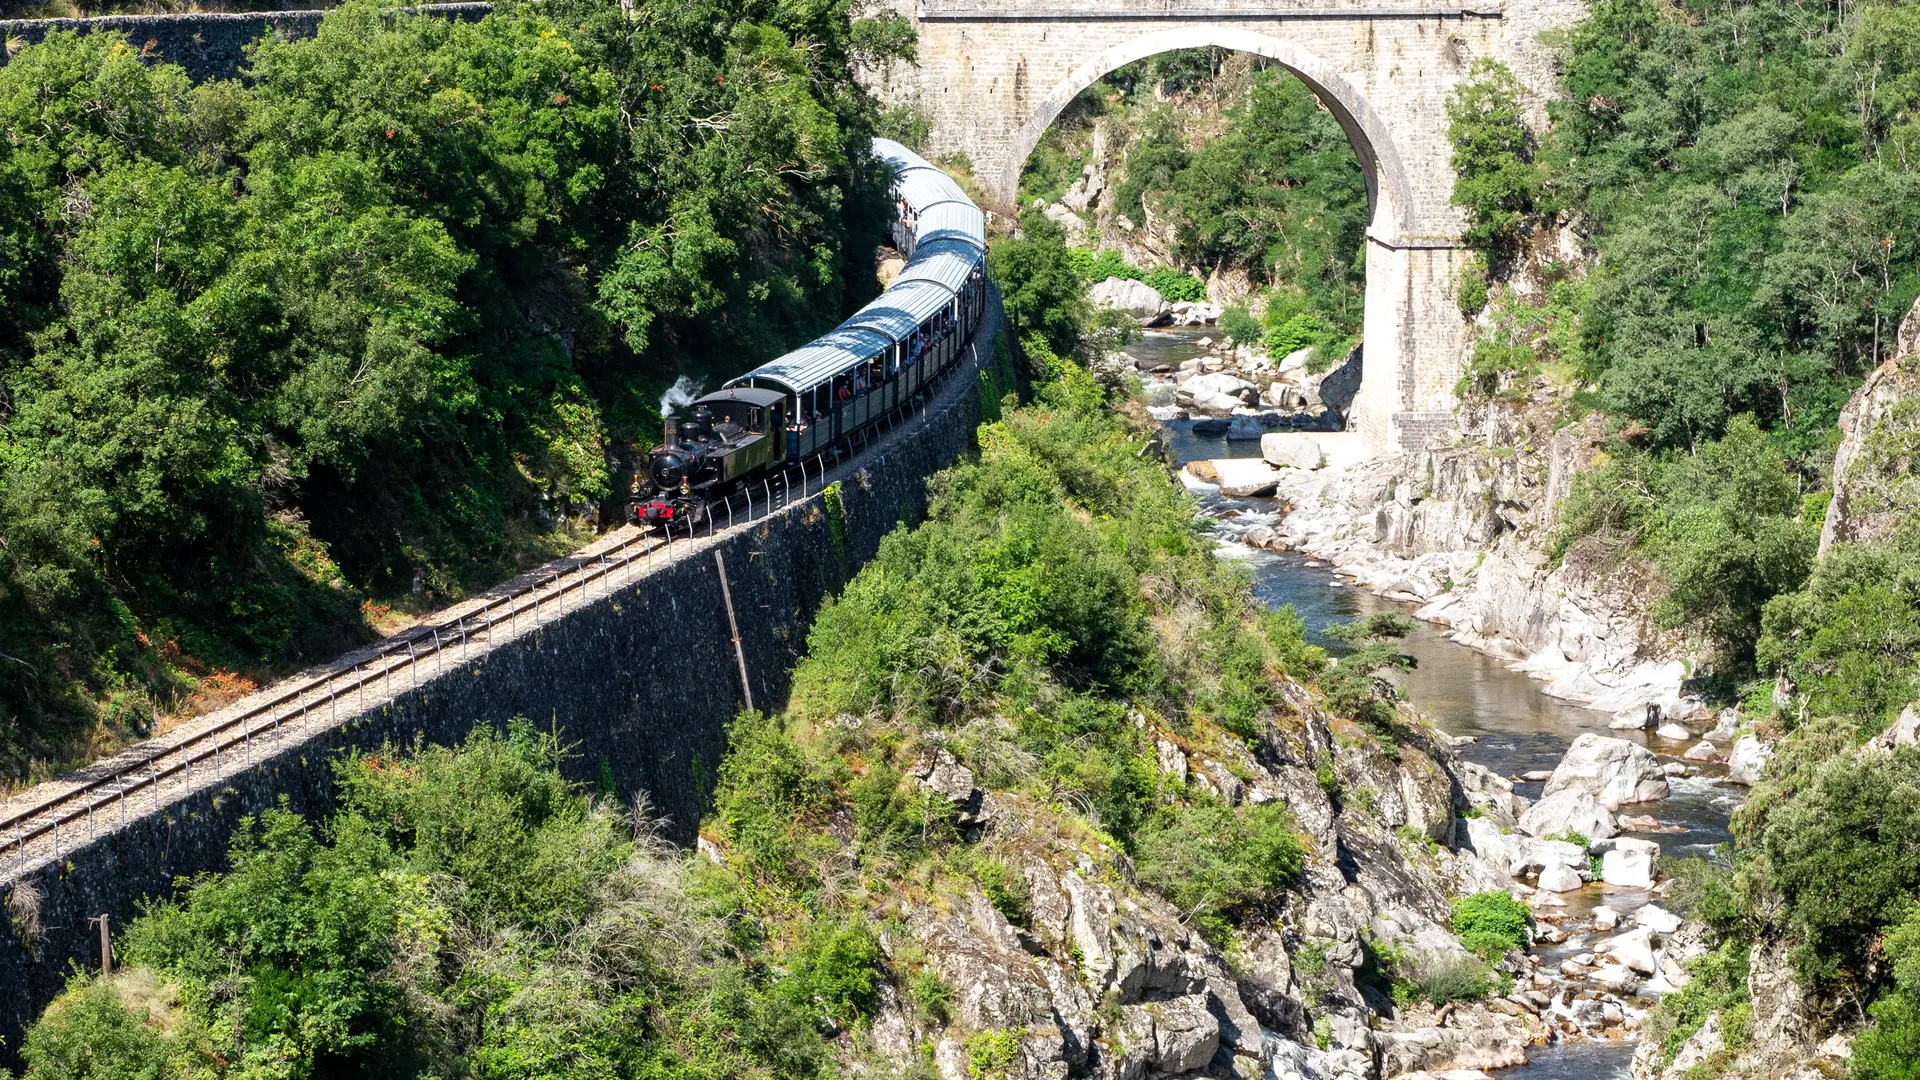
384 316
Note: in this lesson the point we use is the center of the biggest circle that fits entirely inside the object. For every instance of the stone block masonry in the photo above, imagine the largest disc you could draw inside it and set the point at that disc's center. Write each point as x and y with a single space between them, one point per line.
991 75
642 679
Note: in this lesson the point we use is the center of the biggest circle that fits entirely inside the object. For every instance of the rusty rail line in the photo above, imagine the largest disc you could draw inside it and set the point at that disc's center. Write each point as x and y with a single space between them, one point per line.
292 710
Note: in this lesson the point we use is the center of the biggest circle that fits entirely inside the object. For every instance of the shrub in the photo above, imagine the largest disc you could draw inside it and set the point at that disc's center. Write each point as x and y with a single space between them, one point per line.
1442 979
1213 860
1717 981
1415 839
1889 1049
1838 856
991 1055
1044 294
894 822
1176 286
1723 525
1239 326
1004 888
905 125
1850 638
931 996
768 791
1496 180
1709 892
1490 923
836 971
1350 683
90 1034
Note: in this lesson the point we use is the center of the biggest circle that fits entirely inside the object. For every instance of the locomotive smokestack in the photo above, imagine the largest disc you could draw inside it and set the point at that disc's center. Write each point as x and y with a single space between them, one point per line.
673 430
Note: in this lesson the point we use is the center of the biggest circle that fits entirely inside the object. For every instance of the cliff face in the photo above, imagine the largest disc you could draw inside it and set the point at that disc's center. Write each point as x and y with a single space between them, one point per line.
1874 471
1463 532
1103 978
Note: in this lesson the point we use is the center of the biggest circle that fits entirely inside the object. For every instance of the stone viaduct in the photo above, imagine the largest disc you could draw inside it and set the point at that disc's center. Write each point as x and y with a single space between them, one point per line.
992 75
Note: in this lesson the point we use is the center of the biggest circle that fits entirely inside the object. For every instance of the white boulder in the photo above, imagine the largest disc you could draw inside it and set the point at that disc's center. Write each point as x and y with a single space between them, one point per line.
1635 719
1245 478
1221 404
1296 359
1136 298
1748 759
1569 810
1616 977
1559 878
1635 950
1657 919
1220 382
1540 854
1674 732
1614 771
1292 450
1630 863
1701 751
1605 918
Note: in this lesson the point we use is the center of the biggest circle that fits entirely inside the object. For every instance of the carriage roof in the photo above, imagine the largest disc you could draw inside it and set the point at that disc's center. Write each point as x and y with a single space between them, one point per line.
749 394
950 241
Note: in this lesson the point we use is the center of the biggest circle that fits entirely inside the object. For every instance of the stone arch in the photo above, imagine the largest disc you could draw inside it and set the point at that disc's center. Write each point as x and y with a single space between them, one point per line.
1389 193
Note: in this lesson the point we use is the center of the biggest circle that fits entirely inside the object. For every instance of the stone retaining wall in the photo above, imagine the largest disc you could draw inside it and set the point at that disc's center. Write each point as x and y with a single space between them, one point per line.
642 680
209 45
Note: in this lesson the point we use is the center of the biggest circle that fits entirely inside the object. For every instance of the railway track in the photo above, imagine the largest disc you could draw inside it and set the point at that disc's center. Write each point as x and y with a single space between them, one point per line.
147 776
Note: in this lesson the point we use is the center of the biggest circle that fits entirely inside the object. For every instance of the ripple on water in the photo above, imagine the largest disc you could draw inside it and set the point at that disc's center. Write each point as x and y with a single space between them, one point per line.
1588 1059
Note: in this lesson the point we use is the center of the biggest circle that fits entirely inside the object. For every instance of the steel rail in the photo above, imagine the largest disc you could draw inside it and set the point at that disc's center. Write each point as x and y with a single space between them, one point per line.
110 790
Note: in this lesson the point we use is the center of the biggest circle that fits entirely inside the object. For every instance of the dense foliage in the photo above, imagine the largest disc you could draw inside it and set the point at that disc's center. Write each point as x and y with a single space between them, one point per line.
381 318
1495 179
1726 525
1275 192
465 912
1749 174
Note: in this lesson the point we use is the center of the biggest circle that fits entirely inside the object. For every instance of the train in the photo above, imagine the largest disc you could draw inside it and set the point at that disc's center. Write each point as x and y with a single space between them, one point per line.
829 392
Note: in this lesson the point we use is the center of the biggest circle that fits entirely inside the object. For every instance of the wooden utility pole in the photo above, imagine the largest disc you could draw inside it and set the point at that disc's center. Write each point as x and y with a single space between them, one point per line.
106 945
733 625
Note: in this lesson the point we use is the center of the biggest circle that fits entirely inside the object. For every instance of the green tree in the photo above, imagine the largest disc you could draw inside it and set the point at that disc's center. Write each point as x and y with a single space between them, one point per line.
1039 285
1495 178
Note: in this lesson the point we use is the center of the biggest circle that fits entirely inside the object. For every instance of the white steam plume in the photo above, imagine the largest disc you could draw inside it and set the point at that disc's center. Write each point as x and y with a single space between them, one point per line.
684 391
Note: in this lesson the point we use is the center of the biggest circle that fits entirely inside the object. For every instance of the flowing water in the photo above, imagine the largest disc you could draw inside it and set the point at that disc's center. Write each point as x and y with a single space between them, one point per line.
1515 727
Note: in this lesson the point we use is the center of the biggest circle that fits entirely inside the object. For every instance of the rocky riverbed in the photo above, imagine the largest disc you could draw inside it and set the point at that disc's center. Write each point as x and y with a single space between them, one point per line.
1571 807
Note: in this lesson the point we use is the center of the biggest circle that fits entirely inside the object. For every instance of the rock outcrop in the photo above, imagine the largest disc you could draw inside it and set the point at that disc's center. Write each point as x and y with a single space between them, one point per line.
1877 469
1613 771
1462 532
1136 298
1096 976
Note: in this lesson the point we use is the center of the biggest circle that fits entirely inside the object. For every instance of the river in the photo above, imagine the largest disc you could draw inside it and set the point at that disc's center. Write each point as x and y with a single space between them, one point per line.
1515 727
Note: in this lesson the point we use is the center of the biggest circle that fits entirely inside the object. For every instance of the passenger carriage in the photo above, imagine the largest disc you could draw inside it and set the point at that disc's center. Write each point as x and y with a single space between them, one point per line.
825 393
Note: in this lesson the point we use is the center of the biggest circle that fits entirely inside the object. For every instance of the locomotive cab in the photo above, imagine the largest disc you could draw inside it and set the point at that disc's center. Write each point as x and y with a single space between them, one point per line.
726 437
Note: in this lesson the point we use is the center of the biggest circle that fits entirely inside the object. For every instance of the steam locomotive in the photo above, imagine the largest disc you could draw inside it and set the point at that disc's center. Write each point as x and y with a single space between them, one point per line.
827 392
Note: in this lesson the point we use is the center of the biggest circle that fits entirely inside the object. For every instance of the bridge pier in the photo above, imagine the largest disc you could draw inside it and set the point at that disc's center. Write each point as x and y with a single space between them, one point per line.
1415 342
